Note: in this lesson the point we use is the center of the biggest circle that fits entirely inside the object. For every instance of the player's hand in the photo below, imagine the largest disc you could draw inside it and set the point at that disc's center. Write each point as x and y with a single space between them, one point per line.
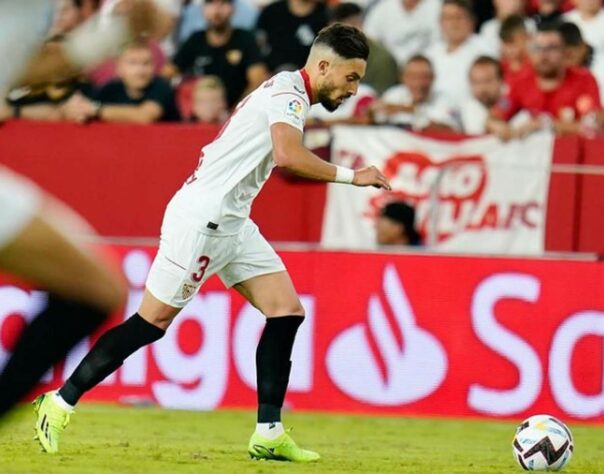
371 176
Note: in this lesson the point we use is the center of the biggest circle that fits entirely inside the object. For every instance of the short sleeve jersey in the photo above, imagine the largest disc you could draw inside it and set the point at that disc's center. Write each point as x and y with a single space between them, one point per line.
217 197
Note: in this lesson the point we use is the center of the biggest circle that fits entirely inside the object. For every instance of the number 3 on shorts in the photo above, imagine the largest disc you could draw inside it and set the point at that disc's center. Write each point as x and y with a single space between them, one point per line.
201 270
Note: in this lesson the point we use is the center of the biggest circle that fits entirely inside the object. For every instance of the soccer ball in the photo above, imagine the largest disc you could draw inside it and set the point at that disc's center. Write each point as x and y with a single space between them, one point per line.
542 443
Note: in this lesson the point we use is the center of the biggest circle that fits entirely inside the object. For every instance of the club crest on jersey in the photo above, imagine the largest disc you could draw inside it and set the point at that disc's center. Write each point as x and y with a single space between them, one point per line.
187 290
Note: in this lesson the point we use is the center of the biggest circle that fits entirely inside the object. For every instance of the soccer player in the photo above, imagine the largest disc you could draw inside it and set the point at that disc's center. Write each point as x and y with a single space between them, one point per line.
35 229
207 230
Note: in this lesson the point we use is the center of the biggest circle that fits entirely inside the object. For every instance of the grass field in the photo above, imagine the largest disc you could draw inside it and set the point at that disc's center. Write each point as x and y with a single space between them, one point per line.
109 439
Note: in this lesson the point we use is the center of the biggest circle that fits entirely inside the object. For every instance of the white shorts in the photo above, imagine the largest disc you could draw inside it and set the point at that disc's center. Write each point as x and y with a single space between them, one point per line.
187 258
19 202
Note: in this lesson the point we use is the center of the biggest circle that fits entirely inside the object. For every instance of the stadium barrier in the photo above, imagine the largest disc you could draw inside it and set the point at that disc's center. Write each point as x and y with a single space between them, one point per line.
121 177
400 334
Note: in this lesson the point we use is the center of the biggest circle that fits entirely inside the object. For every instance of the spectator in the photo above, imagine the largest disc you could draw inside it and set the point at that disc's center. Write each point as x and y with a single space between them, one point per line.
548 11
192 19
490 30
556 95
209 101
382 71
221 50
578 52
453 56
514 48
413 103
589 17
287 28
137 96
486 82
354 110
396 225
404 27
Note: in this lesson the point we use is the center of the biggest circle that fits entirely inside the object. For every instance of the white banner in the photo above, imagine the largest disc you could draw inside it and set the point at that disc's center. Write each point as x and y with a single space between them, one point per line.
492 196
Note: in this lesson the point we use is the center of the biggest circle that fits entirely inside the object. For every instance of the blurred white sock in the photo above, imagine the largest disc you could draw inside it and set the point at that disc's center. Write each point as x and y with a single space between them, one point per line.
270 430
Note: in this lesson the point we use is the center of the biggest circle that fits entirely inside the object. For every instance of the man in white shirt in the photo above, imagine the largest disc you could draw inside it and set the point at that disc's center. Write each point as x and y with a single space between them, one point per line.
413 103
404 27
589 17
486 82
453 56
207 230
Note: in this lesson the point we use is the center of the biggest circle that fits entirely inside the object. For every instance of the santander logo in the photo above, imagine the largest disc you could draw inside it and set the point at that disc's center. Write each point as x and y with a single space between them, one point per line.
412 370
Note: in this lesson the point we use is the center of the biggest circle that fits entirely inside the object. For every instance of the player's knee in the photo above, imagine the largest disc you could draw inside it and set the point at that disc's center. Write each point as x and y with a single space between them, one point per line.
284 308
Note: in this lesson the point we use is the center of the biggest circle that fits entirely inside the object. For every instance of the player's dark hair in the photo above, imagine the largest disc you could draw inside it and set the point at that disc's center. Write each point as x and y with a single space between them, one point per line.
510 26
489 61
347 41
343 11
466 5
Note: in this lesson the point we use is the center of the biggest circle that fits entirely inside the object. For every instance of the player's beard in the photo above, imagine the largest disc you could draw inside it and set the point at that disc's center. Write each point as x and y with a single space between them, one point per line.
324 98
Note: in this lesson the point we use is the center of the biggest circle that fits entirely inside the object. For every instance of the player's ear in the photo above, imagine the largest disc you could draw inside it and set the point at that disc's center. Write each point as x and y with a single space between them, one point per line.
323 67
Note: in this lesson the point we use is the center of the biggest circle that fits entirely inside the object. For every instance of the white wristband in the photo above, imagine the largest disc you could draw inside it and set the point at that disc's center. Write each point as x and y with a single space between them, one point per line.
344 175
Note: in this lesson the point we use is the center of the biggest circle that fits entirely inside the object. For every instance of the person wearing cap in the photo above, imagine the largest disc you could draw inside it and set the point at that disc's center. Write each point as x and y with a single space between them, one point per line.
396 225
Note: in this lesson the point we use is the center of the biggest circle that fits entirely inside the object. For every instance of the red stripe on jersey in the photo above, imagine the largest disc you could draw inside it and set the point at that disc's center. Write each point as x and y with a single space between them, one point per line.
306 79
291 93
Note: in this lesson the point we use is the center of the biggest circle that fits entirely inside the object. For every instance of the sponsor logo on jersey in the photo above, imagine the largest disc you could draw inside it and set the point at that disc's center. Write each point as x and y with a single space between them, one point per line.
299 90
295 106
294 110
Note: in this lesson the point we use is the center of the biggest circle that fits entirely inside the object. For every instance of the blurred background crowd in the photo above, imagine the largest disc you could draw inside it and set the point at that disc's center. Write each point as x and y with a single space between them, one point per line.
507 67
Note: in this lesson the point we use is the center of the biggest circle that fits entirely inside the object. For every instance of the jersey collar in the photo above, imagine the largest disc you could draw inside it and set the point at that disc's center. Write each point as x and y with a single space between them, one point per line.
306 80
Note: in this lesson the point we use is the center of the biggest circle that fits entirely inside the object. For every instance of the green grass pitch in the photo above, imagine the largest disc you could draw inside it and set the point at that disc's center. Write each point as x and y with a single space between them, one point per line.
116 440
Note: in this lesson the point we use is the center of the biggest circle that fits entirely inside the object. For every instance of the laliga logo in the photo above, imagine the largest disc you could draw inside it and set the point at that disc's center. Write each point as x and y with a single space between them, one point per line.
413 175
413 371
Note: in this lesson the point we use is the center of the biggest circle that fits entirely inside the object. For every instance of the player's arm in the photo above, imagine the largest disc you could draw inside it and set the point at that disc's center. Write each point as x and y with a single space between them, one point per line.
290 153
98 38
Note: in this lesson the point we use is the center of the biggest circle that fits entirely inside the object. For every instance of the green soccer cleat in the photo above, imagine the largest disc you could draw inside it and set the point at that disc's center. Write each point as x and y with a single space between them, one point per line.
282 448
52 420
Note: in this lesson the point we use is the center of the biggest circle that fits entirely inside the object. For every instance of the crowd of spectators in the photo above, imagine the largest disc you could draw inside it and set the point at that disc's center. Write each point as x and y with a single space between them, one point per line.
508 67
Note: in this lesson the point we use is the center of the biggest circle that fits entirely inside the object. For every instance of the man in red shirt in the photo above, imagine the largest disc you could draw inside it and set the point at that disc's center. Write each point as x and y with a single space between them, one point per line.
555 95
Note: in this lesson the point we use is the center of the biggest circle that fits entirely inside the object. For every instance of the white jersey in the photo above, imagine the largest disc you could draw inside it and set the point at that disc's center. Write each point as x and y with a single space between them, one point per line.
217 198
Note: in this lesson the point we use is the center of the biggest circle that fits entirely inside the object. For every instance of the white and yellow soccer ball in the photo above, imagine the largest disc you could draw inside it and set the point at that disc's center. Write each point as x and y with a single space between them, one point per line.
542 443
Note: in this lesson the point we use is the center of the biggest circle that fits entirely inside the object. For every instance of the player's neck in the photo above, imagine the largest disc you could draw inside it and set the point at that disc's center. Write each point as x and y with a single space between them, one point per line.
308 85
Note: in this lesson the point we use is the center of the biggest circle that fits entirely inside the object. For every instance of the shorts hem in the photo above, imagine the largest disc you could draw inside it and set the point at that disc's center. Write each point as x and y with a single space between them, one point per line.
228 283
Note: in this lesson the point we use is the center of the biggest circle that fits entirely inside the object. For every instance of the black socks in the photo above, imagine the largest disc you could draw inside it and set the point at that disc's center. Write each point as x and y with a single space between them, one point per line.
44 342
108 354
273 365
